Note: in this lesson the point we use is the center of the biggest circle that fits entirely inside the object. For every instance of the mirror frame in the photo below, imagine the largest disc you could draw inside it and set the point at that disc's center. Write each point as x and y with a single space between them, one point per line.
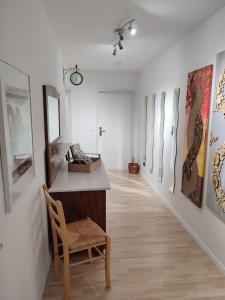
52 164
49 90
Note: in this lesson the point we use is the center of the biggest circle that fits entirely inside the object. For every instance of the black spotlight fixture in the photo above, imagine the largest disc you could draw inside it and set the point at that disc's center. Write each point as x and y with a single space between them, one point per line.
121 36
131 28
120 45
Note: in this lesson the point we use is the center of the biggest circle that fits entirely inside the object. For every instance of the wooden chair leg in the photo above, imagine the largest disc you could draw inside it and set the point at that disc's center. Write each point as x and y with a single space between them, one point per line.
56 267
107 261
56 256
90 255
66 267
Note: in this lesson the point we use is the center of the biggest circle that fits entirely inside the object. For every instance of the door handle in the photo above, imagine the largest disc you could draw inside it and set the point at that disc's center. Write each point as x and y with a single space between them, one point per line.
101 131
1 245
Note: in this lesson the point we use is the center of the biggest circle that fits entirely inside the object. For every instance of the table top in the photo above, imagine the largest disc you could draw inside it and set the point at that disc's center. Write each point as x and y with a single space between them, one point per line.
76 181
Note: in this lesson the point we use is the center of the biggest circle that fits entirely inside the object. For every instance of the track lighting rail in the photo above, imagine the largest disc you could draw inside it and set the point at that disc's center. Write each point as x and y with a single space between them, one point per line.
120 31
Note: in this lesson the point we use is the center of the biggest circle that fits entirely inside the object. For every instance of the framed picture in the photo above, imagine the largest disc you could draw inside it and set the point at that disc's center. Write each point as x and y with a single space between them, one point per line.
16 139
196 129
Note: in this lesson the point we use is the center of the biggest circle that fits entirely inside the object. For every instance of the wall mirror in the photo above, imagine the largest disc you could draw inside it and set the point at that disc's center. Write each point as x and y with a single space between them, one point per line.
161 135
151 110
173 154
53 152
52 113
53 119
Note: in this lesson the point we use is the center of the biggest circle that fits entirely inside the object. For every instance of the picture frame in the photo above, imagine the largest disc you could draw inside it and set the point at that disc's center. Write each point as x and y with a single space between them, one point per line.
16 135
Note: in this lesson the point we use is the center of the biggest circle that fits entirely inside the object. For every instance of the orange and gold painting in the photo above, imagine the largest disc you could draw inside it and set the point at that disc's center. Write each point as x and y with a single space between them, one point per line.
196 127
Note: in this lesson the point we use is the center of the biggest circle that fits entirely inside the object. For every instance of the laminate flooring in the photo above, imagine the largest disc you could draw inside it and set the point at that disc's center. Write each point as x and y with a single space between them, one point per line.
153 257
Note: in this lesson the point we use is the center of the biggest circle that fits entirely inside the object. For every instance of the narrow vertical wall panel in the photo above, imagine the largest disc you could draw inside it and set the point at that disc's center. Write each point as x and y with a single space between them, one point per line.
151 112
146 126
172 174
161 135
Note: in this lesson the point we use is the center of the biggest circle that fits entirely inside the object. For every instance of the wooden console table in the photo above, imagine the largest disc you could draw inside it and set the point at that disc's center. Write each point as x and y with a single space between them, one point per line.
82 194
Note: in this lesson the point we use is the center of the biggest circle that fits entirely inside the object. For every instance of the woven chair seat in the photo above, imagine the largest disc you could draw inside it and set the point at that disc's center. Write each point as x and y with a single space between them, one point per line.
84 234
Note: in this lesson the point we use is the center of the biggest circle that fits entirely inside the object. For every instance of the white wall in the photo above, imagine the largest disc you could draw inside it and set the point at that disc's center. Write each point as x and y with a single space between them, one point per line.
27 42
166 73
84 103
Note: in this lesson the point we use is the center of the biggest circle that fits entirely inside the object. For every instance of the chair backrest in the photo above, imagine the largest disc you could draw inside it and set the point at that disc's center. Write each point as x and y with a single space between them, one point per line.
57 218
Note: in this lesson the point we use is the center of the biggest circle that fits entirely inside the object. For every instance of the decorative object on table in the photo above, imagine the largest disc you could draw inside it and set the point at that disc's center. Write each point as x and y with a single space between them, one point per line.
215 198
131 27
76 78
197 111
146 128
173 155
161 135
16 133
78 155
151 121
133 167
82 162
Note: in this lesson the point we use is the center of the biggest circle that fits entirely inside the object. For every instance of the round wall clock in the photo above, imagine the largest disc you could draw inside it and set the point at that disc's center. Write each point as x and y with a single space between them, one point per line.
76 77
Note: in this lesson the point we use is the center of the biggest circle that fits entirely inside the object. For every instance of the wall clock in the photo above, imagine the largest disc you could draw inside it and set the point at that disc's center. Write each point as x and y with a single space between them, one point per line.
76 77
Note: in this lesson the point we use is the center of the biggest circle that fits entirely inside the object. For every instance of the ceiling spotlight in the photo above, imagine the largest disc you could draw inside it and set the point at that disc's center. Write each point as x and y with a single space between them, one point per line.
120 45
121 35
114 51
132 29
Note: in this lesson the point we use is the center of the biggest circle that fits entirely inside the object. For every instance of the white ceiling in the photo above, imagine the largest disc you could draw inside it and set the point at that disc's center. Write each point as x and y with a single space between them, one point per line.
85 28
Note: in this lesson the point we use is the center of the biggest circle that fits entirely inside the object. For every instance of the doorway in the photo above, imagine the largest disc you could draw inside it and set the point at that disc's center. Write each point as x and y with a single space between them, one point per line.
114 128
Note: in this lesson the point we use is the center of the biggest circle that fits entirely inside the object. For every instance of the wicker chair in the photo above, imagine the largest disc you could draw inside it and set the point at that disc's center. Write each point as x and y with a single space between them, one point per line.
75 237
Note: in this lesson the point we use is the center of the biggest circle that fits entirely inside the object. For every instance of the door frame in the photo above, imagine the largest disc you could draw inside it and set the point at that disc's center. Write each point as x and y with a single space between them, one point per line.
132 94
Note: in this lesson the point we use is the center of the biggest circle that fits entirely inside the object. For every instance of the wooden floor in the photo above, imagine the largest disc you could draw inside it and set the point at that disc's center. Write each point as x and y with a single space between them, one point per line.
153 257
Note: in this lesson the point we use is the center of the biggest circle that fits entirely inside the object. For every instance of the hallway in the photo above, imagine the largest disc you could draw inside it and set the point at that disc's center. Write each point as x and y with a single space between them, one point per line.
153 257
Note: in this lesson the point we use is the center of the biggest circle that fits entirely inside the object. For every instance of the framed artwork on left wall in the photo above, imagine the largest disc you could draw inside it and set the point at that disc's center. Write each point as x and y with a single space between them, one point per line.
16 139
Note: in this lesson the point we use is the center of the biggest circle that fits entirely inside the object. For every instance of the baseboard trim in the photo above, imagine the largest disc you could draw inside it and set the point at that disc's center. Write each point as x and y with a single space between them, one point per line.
188 228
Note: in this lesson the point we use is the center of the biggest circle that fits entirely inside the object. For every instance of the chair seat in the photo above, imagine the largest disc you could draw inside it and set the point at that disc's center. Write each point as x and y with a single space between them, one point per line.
84 234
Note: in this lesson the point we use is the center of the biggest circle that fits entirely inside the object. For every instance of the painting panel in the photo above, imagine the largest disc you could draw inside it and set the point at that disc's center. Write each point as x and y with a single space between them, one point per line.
146 128
173 155
196 127
161 135
215 198
151 112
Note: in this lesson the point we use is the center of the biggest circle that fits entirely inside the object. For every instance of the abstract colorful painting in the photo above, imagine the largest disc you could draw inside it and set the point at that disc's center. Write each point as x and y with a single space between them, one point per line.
215 198
196 126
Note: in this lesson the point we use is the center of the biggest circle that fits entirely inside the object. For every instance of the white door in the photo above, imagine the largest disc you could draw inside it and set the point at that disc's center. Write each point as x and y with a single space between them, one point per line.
114 115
